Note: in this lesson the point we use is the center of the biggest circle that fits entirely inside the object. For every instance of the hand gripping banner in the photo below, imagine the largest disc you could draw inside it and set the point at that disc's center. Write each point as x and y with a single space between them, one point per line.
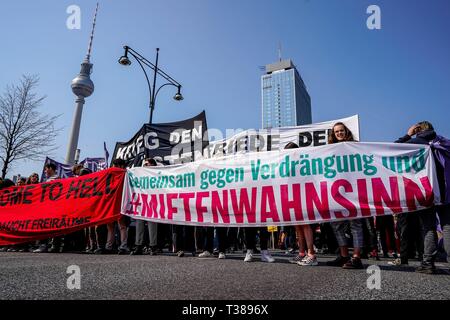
287 187
58 207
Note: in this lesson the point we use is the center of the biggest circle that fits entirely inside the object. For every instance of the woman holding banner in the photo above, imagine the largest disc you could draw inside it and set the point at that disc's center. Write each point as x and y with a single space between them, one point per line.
340 133
304 235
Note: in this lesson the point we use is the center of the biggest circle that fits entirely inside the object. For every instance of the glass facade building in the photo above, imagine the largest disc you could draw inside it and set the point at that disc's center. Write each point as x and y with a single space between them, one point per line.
285 100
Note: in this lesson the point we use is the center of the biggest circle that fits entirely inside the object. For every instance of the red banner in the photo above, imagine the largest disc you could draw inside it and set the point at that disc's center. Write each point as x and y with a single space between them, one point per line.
59 207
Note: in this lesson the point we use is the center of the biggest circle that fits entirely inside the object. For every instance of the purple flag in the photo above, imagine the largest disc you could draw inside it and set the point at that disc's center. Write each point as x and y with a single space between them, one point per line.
95 164
441 150
62 170
106 154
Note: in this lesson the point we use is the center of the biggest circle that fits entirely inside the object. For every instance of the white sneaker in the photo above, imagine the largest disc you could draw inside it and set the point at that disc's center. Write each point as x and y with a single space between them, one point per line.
205 254
308 261
221 255
297 258
248 256
266 257
41 249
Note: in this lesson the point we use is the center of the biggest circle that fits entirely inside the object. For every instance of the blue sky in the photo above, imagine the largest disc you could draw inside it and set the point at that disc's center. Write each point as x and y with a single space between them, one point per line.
391 77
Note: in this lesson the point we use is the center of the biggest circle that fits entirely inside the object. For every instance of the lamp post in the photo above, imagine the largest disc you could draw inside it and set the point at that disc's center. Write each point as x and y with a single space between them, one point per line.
125 61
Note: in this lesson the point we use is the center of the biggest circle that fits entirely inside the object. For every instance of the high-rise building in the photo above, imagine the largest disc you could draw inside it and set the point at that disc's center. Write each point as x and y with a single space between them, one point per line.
285 100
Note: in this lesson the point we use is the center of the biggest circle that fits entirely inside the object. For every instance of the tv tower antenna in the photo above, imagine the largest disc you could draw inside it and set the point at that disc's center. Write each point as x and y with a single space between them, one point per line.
279 51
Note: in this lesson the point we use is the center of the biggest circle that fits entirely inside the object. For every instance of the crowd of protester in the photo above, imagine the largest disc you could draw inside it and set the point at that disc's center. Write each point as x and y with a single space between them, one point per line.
423 235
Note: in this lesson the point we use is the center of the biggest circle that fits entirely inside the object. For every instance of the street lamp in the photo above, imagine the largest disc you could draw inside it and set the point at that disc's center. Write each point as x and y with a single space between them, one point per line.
125 61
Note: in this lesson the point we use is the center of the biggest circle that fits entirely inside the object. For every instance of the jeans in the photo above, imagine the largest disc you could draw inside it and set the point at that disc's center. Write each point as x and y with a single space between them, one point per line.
57 242
410 233
356 230
429 222
234 238
222 237
123 234
92 237
101 233
444 220
152 233
385 224
183 238
371 242
328 237
164 235
250 238
201 238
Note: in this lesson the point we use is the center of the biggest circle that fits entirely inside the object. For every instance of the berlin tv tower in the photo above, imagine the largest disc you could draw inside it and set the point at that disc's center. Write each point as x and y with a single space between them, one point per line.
82 87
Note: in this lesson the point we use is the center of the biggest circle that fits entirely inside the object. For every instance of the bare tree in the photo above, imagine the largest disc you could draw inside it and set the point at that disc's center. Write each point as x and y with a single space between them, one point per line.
25 133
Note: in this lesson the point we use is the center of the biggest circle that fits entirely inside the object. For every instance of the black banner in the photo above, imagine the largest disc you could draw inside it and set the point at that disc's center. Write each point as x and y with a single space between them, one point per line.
168 143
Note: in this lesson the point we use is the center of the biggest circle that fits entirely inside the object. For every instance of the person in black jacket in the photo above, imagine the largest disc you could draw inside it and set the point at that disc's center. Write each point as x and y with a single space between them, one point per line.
424 134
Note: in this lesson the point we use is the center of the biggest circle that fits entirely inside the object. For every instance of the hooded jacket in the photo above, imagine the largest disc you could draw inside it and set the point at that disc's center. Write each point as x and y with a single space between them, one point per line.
441 153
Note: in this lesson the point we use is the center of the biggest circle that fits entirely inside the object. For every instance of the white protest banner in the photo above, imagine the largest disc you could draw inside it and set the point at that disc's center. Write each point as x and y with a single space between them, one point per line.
310 135
288 187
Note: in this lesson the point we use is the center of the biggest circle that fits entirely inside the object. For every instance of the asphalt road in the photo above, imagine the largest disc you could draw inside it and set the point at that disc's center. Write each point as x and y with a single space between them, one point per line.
44 276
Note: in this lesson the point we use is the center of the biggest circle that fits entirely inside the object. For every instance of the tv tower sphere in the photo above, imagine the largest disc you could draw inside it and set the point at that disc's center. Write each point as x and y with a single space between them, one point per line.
82 85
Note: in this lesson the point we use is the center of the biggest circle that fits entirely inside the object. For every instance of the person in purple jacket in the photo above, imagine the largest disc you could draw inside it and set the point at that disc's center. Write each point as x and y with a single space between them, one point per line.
424 134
